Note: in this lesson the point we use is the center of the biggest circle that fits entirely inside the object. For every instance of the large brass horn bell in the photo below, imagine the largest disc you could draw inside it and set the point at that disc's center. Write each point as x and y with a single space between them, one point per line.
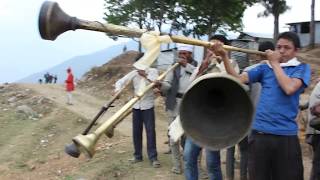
216 111
53 21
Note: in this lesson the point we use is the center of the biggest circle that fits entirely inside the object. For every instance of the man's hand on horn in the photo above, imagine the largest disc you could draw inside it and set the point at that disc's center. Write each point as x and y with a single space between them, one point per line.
274 57
218 50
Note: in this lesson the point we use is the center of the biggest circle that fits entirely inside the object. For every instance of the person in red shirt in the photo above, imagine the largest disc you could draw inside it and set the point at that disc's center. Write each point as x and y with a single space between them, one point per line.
69 86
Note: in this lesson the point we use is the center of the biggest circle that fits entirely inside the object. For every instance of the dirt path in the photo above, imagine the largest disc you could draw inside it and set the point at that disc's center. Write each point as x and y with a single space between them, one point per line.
88 106
83 104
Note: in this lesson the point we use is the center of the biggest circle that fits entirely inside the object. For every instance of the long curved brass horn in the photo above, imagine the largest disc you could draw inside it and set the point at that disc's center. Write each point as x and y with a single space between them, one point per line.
216 111
53 22
71 149
110 132
86 143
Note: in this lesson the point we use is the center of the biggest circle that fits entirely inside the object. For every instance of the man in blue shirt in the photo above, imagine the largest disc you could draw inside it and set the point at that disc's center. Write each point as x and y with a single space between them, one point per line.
274 149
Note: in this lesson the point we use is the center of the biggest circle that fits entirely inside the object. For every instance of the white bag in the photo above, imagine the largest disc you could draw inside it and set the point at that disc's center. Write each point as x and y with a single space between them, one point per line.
175 129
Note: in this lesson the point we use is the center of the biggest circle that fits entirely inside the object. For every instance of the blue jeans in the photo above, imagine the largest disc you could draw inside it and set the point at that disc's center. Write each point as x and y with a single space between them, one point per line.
190 155
147 118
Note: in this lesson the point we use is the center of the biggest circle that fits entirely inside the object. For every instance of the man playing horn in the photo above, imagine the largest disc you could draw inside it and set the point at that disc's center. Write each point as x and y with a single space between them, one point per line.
173 86
255 89
274 149
142 113
211 64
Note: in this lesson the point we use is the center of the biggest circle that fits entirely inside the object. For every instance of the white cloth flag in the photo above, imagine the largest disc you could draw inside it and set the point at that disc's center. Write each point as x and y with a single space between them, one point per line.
151 42
175 129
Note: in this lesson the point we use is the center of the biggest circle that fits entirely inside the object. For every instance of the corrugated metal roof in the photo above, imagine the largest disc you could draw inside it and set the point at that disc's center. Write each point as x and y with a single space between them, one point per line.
301 22
259 35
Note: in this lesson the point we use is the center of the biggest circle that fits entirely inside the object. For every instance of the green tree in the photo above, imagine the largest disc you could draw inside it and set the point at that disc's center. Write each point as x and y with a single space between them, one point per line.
116 11
274 7
207 16
128 13
143 14
199 17
161 12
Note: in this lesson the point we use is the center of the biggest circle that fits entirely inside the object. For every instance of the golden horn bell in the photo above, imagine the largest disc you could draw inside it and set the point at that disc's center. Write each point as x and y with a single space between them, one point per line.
86 143
216 111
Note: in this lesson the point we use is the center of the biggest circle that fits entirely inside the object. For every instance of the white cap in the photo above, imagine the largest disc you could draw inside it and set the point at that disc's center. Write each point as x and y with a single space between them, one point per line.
184 47
140 66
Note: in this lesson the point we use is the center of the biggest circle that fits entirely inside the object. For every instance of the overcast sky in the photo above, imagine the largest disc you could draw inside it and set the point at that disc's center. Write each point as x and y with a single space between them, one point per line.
23 52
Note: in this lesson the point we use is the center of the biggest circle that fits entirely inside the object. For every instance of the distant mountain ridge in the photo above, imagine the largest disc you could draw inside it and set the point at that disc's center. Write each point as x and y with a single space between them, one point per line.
81 64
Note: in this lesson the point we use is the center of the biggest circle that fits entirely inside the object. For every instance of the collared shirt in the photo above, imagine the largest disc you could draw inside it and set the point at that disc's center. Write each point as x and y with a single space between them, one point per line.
276 111
184 80
139 83
292 62
255 88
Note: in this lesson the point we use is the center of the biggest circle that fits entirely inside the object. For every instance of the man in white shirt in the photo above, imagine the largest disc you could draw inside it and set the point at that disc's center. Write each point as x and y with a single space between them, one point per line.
142 113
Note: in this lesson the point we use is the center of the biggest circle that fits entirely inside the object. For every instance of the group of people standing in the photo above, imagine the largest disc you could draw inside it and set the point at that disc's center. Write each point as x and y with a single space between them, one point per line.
271 151
69 83
49 78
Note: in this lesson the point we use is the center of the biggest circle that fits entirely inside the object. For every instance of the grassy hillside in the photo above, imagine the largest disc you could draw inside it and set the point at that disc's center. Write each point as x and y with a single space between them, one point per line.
36 123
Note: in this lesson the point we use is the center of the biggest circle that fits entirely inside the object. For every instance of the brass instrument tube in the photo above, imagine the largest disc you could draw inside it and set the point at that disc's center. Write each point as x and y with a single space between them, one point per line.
133 32
114 119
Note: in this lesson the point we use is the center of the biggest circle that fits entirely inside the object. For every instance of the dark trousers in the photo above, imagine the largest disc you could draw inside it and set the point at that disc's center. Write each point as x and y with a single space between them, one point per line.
230 160
273 157
147 118
315 172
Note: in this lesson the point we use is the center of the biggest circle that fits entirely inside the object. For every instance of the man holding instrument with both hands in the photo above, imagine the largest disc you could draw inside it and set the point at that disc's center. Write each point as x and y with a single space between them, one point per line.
173 87
192 151
274 149
142 113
